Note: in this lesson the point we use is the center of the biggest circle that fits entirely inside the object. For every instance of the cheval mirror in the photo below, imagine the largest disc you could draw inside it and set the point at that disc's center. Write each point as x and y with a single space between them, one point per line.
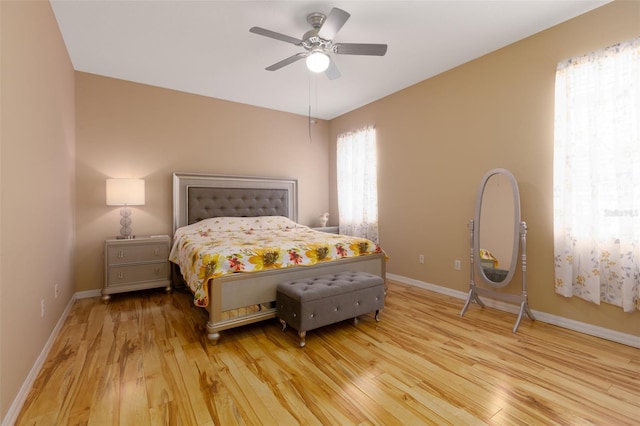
497 235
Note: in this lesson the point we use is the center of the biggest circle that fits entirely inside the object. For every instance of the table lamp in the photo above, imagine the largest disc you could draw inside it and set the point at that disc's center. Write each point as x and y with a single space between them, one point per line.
125 193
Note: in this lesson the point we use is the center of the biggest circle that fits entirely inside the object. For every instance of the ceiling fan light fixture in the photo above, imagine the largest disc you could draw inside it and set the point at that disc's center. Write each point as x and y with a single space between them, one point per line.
318 62
318 44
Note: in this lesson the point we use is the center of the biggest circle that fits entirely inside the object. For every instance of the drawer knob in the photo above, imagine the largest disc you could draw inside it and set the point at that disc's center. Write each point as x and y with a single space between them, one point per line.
157 271
156 252
120 275
120 254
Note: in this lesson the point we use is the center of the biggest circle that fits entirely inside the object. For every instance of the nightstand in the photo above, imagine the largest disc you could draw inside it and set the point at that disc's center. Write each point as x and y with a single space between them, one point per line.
136 264
328 229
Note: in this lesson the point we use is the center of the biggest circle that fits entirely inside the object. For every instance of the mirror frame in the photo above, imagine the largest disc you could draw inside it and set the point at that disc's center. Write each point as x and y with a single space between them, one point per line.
516 229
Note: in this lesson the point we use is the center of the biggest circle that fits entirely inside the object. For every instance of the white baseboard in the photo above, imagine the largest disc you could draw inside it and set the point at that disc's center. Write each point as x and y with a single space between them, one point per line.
581 327
88 293
18 402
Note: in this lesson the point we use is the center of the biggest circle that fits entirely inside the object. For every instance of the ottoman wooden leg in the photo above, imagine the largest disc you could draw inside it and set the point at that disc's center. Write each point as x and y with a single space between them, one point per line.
284 323
378 315
303 335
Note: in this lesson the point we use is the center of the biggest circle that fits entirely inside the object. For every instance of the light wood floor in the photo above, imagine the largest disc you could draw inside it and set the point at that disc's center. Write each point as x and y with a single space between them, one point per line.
143 360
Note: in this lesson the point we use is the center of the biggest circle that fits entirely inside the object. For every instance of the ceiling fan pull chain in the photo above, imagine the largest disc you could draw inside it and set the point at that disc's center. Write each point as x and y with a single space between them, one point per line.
309 123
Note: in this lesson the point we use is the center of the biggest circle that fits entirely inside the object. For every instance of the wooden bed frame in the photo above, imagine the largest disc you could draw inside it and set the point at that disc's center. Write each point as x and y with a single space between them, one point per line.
245 298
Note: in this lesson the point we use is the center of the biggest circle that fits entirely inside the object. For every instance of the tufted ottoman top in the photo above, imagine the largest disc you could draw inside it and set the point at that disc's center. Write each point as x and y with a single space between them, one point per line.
308 289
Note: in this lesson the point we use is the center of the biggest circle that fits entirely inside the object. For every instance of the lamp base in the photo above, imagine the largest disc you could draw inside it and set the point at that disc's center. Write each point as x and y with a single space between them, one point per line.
125 220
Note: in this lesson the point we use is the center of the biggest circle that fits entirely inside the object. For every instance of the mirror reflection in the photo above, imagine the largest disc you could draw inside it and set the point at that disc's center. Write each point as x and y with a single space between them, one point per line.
496 228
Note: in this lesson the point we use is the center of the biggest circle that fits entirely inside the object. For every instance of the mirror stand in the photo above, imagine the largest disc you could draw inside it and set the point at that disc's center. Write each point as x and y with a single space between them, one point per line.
475 292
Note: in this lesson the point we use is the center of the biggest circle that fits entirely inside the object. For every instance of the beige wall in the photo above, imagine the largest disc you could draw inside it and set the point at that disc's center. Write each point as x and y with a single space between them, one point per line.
126 129
438 138
37 186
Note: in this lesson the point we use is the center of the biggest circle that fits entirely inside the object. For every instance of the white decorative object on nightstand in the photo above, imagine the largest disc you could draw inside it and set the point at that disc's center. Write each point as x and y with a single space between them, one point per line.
324 218
136 264
328 229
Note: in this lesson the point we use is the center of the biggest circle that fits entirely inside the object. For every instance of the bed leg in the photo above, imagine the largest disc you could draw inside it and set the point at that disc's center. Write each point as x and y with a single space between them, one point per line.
213 335
213 338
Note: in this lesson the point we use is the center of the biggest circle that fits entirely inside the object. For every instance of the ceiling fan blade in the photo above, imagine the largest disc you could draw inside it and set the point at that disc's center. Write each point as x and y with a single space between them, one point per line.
333 23
360 49
273 34
332 72
285 62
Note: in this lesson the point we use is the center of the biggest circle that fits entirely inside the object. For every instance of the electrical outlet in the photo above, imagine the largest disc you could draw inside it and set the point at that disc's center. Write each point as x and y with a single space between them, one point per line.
56 291
457 265
41 307
421 258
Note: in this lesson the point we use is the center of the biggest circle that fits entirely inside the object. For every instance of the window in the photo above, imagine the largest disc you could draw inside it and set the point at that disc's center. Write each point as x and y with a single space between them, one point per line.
358 183
597 176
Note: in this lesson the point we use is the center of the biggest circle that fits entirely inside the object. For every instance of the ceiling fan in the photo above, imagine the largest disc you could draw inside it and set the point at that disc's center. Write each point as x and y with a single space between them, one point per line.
318 43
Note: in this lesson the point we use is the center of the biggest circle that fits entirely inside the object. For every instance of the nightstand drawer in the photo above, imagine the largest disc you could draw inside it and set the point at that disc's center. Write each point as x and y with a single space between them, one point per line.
127 274
131 253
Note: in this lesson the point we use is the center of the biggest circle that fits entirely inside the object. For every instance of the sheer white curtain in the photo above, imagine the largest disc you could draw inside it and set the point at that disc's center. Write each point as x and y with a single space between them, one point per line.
597 176
358 183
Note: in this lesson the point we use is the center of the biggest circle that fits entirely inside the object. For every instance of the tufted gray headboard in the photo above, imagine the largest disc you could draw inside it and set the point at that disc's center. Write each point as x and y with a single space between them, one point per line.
200 196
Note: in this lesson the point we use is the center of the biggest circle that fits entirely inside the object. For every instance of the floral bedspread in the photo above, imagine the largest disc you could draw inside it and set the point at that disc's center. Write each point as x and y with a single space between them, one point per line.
220 246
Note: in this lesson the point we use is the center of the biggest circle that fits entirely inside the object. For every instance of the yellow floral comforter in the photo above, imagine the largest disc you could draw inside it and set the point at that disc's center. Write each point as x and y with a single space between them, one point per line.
220 246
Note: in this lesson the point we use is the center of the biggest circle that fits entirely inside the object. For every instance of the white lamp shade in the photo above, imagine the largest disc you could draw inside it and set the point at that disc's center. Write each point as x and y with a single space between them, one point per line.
318 62
129 192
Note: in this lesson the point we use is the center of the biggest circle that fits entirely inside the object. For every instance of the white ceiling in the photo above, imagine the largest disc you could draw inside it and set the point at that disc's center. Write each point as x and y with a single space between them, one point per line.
204 47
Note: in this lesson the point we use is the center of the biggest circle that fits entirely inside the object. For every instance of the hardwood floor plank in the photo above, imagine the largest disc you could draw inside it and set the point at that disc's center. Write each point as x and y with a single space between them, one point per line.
296 404
627 395
83 378
193 382
105 405
597 399
157 374
242 385
433 410
144 359
136 411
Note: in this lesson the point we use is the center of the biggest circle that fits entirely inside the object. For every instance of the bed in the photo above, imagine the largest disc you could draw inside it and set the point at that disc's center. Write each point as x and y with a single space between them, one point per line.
234 299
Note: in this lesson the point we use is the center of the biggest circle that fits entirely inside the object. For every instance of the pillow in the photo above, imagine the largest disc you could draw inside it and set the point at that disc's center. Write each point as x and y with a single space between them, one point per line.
276 222
221 224
230 224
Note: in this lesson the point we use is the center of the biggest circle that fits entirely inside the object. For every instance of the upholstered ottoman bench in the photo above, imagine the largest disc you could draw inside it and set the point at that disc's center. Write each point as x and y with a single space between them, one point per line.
310 303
